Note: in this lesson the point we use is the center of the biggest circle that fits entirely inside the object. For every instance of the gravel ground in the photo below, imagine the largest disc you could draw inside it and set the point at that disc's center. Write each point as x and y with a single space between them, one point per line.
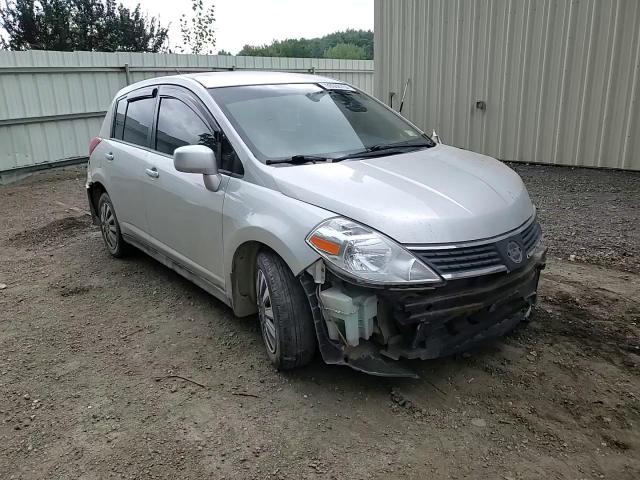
591 214
122 369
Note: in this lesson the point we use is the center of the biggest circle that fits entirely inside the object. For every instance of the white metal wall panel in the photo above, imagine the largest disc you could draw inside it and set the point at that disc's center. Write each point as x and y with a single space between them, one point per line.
560 78
73 89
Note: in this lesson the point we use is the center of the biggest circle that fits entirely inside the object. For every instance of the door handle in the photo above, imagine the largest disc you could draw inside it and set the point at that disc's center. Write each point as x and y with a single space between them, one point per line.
152 172
108 156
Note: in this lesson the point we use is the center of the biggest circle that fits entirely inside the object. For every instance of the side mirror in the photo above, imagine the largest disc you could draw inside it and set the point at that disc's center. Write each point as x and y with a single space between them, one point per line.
198 159
435 137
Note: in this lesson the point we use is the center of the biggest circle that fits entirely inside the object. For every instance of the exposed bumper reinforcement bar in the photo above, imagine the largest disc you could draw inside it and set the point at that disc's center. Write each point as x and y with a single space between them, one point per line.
461 317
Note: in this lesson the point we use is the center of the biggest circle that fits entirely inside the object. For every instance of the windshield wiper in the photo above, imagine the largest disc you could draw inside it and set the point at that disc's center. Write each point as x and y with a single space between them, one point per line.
298 160
373 151
390 146
383 149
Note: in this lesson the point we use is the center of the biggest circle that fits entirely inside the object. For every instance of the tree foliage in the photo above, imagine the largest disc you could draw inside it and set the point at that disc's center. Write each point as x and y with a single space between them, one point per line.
318 47
87 25
198 34
346 50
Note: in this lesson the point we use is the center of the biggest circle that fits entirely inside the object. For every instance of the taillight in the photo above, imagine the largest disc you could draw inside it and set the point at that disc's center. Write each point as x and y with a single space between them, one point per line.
93 144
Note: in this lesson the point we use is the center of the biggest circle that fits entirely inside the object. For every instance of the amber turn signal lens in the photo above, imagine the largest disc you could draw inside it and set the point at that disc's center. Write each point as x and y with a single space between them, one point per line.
325 245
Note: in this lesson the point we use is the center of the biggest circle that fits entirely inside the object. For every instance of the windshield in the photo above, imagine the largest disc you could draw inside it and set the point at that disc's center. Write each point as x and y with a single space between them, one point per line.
283 121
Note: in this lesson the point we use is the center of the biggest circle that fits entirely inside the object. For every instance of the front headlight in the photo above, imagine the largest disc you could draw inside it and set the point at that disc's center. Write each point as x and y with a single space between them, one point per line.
366 254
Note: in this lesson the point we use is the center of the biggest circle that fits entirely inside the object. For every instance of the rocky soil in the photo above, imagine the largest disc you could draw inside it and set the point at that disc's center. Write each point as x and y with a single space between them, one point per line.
122 369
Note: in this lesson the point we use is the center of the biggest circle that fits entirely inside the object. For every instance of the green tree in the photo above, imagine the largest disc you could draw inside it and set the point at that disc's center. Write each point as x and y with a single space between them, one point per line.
361 38
87 25
198 34
36 25
316 47
346 50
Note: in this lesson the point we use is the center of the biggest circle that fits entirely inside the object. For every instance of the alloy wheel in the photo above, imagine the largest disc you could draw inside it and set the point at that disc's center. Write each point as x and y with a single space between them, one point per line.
108 225
265 312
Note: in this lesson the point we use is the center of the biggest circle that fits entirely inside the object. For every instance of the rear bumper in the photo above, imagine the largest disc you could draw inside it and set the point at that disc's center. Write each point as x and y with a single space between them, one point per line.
92 208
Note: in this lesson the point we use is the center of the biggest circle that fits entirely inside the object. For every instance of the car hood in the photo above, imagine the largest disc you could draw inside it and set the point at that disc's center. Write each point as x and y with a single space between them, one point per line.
437 195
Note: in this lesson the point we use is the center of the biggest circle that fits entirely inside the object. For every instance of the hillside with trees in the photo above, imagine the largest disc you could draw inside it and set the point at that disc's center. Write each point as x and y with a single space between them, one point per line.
351 44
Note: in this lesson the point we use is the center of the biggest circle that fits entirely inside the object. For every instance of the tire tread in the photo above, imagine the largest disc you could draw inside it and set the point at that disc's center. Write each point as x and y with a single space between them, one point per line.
297 340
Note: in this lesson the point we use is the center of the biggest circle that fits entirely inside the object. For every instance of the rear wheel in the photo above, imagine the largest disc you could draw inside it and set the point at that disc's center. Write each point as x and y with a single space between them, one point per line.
111 228
285 316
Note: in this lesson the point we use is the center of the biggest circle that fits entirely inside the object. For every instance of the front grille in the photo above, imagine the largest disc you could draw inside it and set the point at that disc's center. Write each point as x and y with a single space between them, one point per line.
531 235
460 261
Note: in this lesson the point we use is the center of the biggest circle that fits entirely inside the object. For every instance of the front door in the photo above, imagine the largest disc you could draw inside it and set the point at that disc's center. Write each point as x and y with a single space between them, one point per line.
185 219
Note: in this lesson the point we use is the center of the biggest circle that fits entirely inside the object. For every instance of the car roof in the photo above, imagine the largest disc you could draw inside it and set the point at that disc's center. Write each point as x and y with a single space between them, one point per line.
229 79
251 77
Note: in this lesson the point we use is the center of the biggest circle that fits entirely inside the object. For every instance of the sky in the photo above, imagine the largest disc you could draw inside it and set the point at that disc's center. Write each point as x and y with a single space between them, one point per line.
256 22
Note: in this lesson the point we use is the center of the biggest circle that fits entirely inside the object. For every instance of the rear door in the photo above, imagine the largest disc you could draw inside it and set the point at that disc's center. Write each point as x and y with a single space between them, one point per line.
185 219
126 158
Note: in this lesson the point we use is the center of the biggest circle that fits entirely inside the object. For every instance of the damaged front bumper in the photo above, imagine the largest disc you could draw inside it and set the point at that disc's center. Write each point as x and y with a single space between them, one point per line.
368 328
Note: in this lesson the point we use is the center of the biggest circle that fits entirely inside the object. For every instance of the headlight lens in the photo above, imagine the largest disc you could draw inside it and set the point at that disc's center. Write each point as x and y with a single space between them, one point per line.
368 255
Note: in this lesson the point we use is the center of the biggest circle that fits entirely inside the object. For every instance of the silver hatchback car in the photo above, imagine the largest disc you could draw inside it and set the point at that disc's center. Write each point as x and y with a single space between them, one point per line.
306 201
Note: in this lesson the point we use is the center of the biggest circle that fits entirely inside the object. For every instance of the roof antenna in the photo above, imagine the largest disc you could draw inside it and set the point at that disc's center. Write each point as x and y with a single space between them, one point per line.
404 94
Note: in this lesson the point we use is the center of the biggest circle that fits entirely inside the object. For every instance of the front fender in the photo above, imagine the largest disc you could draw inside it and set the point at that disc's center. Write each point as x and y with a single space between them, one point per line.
253 213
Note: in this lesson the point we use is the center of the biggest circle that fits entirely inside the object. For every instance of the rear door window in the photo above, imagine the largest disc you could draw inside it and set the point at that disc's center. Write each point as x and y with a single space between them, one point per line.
118 124
138 120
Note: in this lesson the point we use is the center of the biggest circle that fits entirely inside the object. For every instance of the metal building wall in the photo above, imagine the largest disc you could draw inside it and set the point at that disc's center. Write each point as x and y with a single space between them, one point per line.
52 103
560 78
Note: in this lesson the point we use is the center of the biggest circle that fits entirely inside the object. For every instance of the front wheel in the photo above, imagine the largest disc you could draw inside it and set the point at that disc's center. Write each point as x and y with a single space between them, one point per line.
285 316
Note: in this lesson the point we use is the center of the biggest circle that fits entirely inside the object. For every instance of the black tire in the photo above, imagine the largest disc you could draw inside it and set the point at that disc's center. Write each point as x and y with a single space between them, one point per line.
294 344
111 228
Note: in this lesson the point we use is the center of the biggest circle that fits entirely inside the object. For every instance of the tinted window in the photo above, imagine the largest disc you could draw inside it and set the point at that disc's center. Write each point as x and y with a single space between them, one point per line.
229 161
138 121
178 125
118 126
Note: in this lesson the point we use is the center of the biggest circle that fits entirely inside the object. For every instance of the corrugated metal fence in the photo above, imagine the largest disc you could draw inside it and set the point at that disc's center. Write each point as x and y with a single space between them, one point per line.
52 103
560 79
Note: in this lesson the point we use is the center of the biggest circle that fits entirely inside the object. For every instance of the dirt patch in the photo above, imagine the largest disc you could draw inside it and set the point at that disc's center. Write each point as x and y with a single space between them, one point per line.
55 232
122 369
68 291
598 325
